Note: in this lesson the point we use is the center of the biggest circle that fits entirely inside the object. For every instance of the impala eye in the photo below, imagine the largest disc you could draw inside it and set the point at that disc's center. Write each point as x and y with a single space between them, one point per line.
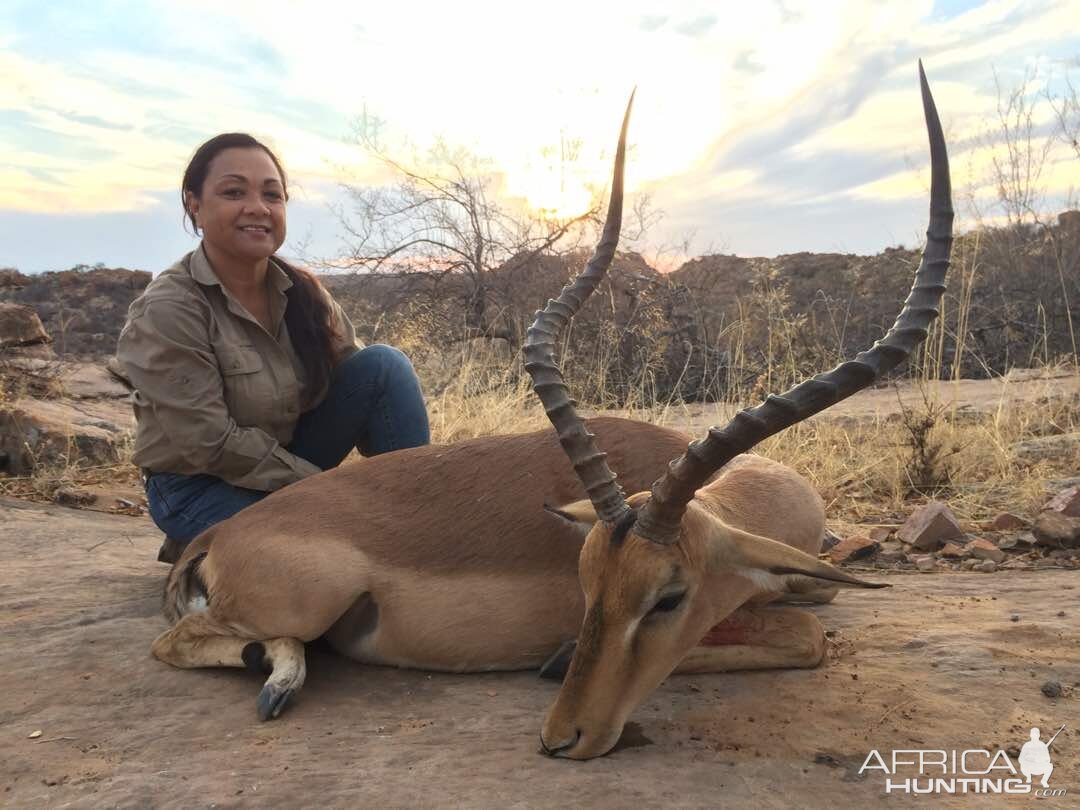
668 603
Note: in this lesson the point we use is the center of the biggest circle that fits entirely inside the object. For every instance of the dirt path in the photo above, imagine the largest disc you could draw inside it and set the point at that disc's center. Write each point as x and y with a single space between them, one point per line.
1021 388
934 662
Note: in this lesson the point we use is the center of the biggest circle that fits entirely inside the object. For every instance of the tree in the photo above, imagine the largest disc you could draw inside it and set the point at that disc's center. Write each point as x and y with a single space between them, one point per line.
442 219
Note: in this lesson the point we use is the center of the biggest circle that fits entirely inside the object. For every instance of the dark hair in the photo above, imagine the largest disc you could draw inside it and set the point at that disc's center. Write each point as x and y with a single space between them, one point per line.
308 314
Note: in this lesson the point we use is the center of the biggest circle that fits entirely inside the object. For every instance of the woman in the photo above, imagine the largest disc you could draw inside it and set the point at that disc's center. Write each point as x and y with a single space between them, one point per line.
246 372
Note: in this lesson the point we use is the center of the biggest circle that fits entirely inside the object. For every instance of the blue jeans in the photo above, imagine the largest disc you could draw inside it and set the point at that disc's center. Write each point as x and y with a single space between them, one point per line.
374 404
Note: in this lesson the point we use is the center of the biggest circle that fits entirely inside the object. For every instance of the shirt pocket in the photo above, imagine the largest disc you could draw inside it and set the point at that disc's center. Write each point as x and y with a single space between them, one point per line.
248 388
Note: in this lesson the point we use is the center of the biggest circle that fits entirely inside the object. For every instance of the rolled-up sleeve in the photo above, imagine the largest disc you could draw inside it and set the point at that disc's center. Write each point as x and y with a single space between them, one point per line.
166 352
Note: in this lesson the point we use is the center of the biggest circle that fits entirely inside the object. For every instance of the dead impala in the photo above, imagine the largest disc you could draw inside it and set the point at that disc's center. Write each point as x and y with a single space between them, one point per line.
450 558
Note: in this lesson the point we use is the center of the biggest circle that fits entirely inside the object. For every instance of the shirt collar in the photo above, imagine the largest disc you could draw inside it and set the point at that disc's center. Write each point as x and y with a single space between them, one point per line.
203 272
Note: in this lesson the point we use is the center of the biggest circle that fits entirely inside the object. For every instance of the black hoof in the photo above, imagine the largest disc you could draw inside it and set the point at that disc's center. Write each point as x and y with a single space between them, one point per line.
272 700
254 658
556 667
170 551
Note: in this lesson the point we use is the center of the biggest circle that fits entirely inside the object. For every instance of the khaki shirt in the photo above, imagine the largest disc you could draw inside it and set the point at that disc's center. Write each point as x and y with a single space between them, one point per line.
214 391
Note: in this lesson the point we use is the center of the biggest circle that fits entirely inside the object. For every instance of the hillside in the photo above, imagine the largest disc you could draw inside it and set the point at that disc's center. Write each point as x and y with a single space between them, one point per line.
716 325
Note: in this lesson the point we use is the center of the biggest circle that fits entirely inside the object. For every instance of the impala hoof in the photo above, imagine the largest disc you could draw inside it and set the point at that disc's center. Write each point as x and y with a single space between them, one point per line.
272 700
556 667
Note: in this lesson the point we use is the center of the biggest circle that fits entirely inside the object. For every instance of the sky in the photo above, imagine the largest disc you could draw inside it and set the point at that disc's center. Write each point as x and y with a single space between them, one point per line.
758 128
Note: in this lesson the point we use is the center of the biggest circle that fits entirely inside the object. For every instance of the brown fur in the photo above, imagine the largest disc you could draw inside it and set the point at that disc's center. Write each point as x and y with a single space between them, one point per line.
446 558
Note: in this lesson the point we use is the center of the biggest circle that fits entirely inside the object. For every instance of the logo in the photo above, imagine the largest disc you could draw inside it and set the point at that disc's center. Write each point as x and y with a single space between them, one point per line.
975 770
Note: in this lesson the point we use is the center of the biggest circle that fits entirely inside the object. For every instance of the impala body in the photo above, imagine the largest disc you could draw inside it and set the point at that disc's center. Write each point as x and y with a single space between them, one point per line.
490 582
483 555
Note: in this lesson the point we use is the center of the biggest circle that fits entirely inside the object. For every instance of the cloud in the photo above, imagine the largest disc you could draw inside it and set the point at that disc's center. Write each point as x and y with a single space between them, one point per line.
652 23
697 26
793 108
93 120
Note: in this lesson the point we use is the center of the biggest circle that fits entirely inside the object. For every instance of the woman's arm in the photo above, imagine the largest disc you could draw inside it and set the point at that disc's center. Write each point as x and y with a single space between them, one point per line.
166 351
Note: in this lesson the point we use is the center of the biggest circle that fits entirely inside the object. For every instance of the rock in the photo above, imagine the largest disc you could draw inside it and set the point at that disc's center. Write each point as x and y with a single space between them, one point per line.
1014 617
20 326
1026 539
830 540
49 378
929 526
12 279
969 564
1066 502
892 551
984 550
1063 553
1047 447
1007 542
1052 689
952 551
1056 530
112 365
856 547
882 533
1007 522
69 496
91 381
986 566
926 563
62 433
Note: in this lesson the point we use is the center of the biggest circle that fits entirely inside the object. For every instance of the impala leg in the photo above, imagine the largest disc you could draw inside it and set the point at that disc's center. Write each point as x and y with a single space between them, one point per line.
198 641
759 638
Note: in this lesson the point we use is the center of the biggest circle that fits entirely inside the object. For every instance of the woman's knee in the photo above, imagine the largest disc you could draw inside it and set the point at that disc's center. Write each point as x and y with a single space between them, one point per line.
383 360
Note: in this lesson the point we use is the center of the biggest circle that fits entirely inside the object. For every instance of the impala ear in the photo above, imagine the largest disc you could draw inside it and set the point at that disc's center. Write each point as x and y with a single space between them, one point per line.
764 560
579 514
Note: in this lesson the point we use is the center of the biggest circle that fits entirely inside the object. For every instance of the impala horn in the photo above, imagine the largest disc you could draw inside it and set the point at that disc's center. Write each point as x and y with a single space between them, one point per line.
659 519
548 382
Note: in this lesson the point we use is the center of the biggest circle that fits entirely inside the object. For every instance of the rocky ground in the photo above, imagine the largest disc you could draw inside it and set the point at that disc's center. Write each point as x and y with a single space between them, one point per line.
947 658
88 719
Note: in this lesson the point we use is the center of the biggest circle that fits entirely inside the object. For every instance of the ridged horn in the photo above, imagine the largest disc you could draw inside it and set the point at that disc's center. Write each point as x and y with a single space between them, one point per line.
660 517
548 382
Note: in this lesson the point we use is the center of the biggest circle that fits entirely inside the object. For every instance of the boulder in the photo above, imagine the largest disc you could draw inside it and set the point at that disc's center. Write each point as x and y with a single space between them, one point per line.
892 551
20 326
829 540
982 549
953 551
1062 446
1055 530
91 381
1007 522
1066 502
929 526
856 547
62 433
926 563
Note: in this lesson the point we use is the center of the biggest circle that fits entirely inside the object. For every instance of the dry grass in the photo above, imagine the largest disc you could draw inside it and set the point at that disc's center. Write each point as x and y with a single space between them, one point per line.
869 471
875 472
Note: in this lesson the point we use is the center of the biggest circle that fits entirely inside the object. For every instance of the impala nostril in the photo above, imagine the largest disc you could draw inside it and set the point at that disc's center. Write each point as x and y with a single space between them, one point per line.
556 750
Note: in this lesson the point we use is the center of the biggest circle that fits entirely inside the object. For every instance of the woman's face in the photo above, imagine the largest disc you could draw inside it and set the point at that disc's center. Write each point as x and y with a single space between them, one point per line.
241 210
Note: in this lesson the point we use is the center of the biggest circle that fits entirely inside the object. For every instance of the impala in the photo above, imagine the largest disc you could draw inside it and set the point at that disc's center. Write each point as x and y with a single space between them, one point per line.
481 556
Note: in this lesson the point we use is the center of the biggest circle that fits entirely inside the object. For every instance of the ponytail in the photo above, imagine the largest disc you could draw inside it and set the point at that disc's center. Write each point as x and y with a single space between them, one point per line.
312 327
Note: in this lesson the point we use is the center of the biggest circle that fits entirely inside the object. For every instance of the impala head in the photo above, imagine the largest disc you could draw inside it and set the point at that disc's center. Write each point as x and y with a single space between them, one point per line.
657 569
